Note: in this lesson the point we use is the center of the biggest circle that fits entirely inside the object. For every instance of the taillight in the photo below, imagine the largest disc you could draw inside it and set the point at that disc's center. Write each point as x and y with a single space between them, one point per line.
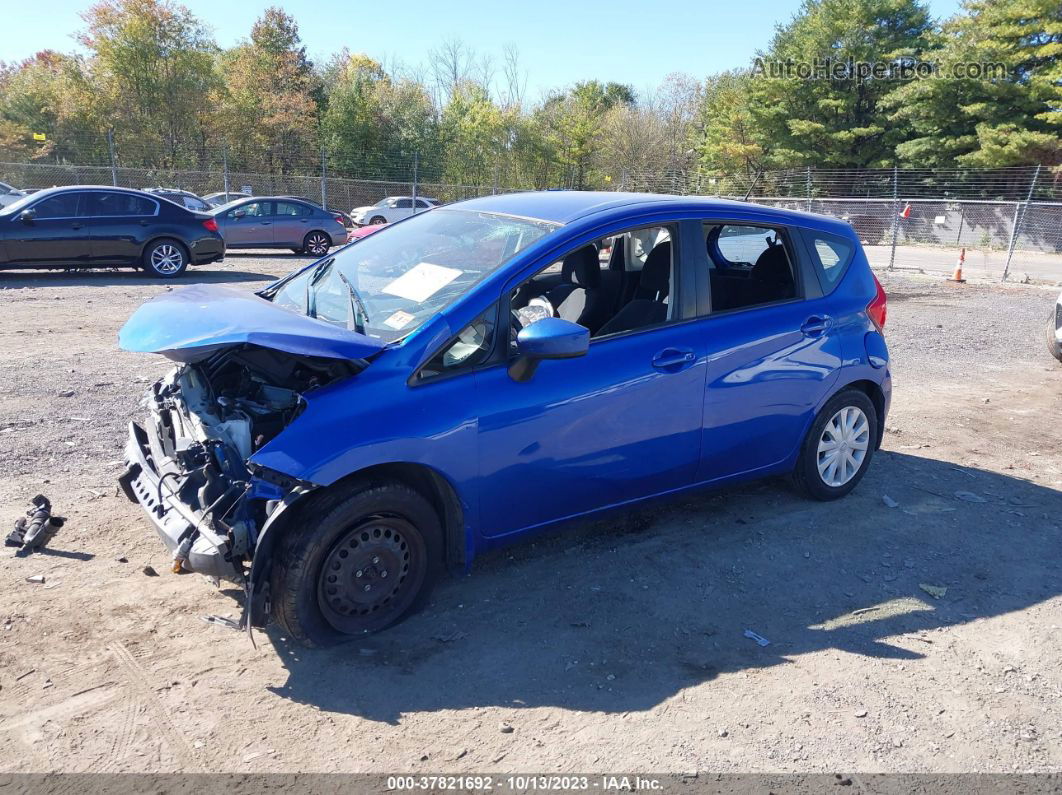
878 308
340 219
211 225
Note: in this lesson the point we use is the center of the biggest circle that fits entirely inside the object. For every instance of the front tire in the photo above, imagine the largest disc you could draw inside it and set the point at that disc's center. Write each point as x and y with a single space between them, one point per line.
836 452
316 244
165 258
356 563
378 220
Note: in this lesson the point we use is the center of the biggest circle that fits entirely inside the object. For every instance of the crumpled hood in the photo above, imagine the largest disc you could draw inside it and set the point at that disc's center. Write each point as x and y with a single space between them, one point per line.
189 324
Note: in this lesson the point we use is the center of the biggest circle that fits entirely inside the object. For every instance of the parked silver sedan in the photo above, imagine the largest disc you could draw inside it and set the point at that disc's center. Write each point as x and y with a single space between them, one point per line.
279 222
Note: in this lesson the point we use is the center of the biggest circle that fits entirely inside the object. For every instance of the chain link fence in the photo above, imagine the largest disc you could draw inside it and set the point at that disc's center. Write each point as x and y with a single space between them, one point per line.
1006 220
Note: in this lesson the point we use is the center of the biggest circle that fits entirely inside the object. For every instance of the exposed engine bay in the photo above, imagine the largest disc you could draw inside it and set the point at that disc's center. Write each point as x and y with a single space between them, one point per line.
188 465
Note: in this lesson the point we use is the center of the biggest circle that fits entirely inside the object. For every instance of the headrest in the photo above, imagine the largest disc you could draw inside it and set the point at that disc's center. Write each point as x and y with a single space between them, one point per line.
582 267
656 273
773 265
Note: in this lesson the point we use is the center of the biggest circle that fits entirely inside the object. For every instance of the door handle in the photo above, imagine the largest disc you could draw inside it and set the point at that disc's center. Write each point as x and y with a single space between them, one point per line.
673 359
816 325
75 226
266 223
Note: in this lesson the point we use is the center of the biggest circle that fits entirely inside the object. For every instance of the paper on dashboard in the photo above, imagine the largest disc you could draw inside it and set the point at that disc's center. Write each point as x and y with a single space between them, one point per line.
421 282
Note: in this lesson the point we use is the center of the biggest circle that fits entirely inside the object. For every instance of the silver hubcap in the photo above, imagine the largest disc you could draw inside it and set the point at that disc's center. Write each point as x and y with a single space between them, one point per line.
166 258
318 245
843 446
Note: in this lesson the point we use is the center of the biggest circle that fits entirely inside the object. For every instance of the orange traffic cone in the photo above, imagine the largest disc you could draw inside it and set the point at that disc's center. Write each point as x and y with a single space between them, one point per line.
905 213
957 276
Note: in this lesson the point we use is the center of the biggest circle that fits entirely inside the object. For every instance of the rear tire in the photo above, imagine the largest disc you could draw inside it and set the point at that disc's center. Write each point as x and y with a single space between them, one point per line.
832 438
166 258
316 244
1053 345
356 563
378 220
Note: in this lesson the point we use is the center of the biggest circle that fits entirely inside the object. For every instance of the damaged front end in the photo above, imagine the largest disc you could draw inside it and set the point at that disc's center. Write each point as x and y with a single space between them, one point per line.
189 464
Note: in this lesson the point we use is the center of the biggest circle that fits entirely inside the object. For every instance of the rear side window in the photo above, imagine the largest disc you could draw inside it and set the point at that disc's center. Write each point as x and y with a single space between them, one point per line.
119 204
831 254
748 266
404 204
292 209
62 206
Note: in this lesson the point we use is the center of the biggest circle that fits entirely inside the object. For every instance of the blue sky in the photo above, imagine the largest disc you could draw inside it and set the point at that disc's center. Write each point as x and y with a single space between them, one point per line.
630 41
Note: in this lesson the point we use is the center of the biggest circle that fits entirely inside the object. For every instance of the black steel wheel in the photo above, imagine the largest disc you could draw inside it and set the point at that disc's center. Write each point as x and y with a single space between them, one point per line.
371 574
355 561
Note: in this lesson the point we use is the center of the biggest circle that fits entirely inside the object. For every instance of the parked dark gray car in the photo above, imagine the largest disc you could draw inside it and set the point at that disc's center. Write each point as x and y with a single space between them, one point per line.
280 222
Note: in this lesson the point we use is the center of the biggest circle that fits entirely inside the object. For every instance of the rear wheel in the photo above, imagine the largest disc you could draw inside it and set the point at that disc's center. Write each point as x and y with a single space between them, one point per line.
377 220
356 564
838 448
166 258
316 243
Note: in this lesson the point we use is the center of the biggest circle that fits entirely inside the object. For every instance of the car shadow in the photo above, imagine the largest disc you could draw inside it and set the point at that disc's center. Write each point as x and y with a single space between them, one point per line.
105 277
623 613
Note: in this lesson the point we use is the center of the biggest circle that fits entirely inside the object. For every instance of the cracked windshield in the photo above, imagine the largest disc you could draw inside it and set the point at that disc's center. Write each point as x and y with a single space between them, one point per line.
387 285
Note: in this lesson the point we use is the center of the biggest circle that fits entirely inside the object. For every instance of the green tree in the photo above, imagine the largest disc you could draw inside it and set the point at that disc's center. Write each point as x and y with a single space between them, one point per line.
835 122
270 99
993 119
732 141
151 69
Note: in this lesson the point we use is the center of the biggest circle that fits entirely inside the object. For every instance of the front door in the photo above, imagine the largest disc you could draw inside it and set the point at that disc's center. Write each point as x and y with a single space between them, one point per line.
56 234
249 225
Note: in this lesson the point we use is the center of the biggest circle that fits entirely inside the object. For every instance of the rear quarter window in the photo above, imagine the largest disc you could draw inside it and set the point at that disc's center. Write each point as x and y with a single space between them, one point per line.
831 255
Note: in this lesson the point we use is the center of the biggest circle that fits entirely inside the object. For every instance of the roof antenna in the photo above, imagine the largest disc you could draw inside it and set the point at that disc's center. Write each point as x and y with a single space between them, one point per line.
755 179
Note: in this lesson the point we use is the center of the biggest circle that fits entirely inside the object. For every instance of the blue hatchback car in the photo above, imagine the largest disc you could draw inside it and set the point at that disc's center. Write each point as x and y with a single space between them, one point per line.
486 370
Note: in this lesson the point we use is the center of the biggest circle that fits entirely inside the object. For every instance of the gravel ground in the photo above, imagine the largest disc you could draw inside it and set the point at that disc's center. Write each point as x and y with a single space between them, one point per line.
614 645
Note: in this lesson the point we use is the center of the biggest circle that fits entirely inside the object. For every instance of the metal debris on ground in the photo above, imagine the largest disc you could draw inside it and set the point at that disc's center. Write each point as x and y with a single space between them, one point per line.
36 528
762 641
36 579
936 591
222 621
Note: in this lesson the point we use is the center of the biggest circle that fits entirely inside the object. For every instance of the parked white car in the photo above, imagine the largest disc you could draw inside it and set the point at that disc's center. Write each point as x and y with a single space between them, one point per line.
391 209
8 194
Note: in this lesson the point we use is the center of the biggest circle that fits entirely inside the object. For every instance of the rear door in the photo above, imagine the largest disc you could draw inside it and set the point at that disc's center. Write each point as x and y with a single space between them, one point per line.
120 224
291 222
773 350
56 234
249 224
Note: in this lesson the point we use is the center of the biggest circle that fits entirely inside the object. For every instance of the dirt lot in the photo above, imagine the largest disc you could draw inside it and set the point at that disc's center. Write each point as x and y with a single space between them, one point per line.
617 645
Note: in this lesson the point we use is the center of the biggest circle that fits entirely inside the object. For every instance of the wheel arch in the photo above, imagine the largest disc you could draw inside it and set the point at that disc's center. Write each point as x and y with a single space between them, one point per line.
432 485
163 236
877 397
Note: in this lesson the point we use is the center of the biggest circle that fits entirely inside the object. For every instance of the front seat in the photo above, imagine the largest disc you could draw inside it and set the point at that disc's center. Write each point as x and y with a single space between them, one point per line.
649 305
580 297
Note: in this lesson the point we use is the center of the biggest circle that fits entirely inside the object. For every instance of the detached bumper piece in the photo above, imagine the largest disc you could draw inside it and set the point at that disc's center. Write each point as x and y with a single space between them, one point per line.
186 532
36 528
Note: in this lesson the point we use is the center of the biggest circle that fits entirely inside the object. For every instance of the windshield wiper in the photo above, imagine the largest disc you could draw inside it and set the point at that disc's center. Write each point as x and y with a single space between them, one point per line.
318 273
361 314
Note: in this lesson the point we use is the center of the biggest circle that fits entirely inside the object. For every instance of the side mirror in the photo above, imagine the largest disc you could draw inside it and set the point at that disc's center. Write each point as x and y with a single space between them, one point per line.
28 216
239 213
549 338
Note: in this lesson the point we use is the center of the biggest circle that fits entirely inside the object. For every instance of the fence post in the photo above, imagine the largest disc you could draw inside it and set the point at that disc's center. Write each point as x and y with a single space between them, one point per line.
416 162
114 165
225 169
1019 219
809 189
324 183
895 213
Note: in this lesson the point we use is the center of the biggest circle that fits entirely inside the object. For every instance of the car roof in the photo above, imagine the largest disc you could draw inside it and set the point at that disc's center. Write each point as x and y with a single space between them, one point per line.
567 206
60 188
